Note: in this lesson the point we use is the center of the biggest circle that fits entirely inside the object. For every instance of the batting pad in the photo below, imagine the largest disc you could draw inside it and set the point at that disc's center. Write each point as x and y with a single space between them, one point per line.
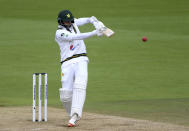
66 98
78 99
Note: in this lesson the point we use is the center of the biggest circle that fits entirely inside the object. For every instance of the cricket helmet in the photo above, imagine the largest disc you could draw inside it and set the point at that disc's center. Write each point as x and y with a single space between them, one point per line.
65 16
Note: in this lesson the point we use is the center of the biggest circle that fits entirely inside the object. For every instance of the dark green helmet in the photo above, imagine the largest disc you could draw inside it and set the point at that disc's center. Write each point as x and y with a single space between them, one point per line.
65 16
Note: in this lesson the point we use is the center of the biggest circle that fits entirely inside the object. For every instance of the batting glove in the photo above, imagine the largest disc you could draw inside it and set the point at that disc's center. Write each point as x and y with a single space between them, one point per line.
93 19
99 33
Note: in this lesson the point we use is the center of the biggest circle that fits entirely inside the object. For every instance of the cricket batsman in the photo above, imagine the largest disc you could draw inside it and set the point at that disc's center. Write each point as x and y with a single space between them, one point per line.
74 61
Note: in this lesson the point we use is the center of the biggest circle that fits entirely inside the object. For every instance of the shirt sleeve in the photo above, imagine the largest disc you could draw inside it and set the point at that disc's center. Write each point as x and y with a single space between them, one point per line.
82 21
67 36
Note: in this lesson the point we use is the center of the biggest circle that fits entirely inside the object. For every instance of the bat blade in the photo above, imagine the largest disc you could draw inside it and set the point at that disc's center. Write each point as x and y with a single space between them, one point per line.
108 32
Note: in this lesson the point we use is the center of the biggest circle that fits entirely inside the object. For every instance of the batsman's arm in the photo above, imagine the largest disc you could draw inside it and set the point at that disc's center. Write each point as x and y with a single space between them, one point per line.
83 21
66 36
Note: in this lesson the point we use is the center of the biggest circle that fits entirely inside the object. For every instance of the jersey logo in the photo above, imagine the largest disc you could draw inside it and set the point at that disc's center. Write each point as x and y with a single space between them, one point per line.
72 47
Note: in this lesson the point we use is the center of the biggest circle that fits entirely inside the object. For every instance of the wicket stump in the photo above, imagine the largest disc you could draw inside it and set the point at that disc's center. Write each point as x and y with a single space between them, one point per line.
40 75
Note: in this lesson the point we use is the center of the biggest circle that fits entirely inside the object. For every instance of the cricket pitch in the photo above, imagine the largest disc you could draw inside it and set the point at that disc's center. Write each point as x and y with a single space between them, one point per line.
20 119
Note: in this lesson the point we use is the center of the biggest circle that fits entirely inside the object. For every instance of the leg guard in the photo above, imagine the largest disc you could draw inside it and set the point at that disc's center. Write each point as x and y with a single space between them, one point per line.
79 94
66 99
79 88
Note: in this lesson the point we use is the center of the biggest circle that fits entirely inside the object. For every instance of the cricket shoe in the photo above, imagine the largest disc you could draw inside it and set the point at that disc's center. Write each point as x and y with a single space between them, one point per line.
74 119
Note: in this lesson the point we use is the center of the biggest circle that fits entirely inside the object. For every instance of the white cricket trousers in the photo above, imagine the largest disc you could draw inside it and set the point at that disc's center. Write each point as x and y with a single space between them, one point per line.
74 78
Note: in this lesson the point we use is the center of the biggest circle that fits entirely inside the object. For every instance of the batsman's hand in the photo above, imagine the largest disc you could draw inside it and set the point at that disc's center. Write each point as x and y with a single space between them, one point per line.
99 33
93 19
98 25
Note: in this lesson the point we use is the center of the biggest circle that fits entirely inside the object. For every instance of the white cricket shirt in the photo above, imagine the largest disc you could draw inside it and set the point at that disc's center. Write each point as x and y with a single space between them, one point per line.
71 42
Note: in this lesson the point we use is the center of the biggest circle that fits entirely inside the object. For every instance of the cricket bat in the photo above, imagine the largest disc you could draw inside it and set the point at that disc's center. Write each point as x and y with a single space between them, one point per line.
108 32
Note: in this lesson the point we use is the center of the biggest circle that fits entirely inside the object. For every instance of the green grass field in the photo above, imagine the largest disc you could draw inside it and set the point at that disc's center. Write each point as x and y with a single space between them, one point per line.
127 77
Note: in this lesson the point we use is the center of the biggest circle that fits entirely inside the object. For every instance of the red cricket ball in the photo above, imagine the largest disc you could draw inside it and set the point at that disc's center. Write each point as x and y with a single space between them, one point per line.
144 39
